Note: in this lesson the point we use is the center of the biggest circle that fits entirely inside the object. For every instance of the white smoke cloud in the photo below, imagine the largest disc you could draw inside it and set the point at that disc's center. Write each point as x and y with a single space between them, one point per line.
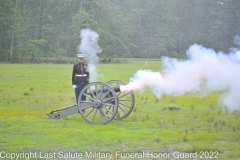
90 48
205 71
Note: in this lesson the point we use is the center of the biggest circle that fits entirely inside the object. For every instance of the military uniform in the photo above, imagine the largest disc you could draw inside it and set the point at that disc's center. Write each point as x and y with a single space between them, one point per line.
80 74
80 77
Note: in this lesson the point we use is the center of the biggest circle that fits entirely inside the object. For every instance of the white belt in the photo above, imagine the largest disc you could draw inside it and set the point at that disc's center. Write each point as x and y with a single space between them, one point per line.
81 75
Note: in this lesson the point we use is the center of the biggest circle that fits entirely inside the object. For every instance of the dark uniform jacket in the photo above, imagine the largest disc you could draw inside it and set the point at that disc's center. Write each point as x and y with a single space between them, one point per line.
80 74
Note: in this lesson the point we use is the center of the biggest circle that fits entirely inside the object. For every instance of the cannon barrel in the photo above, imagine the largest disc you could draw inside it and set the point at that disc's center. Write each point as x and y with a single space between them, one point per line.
117 88
104 90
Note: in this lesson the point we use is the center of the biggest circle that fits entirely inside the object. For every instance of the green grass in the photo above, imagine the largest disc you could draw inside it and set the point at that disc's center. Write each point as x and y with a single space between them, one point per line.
29 91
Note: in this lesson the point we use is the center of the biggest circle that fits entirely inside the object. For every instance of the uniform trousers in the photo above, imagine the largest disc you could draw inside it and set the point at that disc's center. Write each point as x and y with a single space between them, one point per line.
78 89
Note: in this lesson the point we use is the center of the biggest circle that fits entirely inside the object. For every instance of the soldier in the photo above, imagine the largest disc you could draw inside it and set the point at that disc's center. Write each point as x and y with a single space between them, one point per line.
80 76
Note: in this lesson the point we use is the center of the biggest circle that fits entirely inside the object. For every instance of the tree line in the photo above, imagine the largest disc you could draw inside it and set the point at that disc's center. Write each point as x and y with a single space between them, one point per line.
35 29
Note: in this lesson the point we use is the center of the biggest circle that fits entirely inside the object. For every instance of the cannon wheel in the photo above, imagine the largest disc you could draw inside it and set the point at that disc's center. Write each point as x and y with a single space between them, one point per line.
125 100
100 107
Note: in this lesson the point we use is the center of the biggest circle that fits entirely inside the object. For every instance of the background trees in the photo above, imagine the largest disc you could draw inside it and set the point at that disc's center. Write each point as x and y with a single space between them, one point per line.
31 30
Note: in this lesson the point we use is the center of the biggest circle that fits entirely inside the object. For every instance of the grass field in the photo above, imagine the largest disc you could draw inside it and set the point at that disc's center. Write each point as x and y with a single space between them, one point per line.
29 91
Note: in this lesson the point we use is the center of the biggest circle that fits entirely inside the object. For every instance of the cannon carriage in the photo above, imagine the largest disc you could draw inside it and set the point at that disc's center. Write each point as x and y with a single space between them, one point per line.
104 102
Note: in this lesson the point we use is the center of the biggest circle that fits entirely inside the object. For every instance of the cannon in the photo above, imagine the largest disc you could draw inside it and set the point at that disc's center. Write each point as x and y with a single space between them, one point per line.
104 102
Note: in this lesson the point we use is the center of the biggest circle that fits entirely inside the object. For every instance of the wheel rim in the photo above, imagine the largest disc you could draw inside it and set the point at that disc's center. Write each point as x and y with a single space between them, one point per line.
99 107
126 100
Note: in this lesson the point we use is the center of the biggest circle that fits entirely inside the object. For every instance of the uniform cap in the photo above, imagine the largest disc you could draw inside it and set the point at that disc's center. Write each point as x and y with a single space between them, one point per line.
81 56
